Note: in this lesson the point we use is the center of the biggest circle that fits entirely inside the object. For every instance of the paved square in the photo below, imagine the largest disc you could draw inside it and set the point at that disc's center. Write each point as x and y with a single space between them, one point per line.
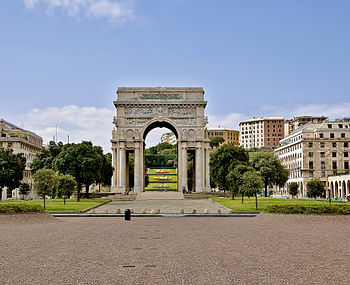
268 249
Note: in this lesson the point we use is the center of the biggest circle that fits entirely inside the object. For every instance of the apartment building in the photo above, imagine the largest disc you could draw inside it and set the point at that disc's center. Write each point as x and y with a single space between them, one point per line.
21 141
316 150
261 132
229 135
168 138
292 124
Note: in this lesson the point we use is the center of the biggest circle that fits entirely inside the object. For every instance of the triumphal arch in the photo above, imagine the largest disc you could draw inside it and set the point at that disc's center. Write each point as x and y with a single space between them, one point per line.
139 110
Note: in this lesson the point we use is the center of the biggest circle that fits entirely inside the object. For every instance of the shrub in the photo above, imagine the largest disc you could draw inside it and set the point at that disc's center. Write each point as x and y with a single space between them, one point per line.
309 210
19 208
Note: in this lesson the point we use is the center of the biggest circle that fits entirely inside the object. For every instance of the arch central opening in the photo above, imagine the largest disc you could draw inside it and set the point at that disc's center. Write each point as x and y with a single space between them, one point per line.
160 157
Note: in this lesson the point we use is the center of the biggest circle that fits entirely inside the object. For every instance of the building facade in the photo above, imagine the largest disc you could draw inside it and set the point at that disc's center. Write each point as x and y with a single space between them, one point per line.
20 141
261 132
229 135
169 138
292 124
315 150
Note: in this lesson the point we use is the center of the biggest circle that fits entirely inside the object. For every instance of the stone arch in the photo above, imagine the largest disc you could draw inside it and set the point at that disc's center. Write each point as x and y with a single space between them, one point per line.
139 110
332 190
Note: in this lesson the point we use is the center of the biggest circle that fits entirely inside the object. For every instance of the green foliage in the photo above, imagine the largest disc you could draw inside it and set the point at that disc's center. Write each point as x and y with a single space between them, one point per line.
83 161
45 158
251 183
216 141
315 209
11 168
45 181
161 155
293 188
224 159
10 208
269 167
235 177
65 185
315 188
24 189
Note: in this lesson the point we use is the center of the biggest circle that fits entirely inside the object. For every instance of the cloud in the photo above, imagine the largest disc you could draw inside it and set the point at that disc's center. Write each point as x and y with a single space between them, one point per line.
230 120
115 11
81 123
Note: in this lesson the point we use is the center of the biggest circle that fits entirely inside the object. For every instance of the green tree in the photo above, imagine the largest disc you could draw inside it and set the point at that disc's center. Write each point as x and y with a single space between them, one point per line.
269 167
293 188
83 162
216 141
252 184
222 160
11 169
65 186
24 189
315 188
45 181
46 157
235 178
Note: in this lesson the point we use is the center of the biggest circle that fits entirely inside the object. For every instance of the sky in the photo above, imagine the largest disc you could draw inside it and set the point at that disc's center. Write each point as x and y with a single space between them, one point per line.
61 61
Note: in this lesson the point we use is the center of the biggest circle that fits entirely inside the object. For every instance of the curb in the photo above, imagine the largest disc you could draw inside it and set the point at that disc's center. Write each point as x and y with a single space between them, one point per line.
152 215
96 206
236 212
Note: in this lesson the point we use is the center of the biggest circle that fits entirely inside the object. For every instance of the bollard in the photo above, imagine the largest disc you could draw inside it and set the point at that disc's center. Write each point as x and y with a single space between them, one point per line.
131 211
144 211
230 211
105 211
117 211
158 211
218 211
194 211
182 211
127 215
206 211
93 211
153 212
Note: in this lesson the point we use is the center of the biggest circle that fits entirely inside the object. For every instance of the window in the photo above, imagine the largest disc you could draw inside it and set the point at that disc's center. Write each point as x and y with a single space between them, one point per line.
311 174
322 144
322 154
340 126
323 174
321 136
329 126
311 144
334 144
323 165
3 135
334 165
346 144
331 135
311 165
334 154
342 135
346 165
311 154
9 144
346 154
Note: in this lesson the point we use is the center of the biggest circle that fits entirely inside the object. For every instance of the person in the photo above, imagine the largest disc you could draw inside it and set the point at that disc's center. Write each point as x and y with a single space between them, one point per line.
184 189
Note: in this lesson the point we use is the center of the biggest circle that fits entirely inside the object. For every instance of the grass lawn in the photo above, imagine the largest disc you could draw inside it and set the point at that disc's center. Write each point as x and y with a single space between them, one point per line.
249 204
57 204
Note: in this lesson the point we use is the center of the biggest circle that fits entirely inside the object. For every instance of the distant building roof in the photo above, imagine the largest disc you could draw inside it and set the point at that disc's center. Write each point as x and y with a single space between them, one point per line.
263 119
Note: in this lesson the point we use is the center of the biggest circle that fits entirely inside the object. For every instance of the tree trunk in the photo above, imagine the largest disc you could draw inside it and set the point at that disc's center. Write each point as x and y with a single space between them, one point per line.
233 195
64 200
265 189
256 200
78 192
99 187
44 202
242 197
87 190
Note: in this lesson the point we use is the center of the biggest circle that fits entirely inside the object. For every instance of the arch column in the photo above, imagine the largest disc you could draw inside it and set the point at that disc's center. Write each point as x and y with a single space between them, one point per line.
114 187
122 168
183 166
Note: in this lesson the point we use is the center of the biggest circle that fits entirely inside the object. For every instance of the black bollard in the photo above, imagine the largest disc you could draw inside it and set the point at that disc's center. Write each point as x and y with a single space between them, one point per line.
127 215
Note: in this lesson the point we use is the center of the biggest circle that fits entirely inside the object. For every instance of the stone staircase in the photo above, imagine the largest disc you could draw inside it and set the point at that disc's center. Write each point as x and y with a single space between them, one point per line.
160 196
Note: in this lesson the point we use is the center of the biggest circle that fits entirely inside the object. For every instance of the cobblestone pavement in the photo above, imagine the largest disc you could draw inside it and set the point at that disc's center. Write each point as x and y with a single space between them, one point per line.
165 206
268 249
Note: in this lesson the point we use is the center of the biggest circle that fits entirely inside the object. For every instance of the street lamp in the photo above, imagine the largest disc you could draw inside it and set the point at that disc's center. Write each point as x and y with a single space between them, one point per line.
329 196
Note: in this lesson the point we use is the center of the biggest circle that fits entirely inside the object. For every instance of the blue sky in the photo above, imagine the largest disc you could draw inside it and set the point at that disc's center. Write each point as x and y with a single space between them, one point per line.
61 61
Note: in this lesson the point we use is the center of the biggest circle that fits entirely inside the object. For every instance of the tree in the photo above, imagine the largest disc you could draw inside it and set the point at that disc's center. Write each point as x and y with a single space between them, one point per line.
223 159
45 158
83 162
315 188
45 181
235 178
251 185
65 186
293 188
216 141
269 167
24 189
11 169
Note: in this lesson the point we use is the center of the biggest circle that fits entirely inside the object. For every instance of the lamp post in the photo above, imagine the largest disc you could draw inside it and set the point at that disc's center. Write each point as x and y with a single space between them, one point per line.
329 196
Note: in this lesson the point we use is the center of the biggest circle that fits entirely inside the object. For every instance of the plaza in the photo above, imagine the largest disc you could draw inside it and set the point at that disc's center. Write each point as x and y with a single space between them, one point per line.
268 249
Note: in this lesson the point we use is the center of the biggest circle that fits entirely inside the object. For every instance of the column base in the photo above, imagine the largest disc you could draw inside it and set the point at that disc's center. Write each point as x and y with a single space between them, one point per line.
203 189
138 190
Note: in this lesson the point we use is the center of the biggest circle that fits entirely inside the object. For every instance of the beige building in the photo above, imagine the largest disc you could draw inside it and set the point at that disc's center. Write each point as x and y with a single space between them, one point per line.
315 150
339 186
229 135
261 132
21 141
292 124
169 138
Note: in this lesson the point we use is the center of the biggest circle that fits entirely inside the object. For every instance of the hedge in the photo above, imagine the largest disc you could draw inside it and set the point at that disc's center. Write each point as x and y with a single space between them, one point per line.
309 210
19 208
